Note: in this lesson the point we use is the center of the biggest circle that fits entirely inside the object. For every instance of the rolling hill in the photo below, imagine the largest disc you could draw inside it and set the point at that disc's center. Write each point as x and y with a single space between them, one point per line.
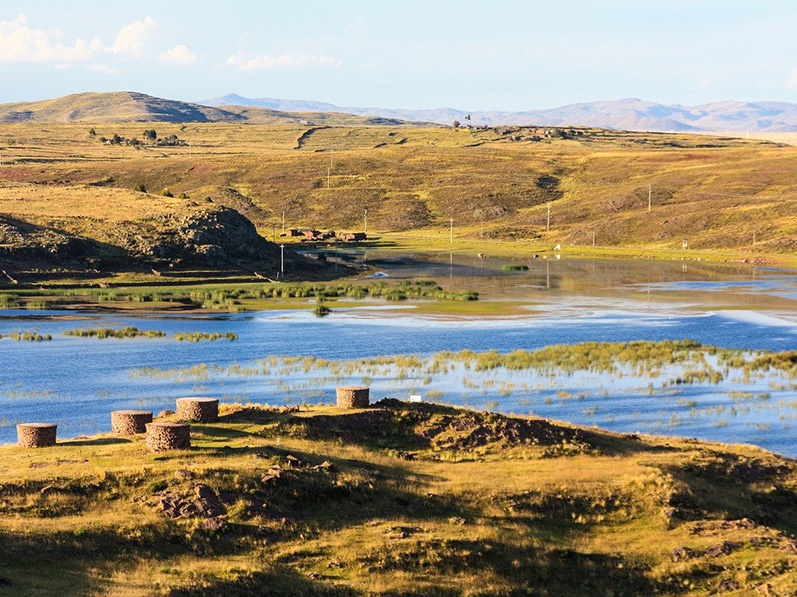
496 183
625 114
129 106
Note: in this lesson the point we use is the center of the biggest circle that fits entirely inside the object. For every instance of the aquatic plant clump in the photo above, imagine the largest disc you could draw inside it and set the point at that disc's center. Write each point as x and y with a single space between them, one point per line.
399 291
103 333
29 337
200 336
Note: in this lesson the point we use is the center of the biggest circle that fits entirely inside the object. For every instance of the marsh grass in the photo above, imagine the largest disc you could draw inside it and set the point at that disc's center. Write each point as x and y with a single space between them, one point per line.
103 333
28 336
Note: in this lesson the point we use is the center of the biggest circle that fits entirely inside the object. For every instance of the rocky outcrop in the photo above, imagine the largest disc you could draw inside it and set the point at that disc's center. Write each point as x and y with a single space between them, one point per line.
208 237
22 240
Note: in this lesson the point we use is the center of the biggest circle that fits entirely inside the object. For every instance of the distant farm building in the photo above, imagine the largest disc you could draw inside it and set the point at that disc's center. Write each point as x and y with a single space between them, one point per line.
317 235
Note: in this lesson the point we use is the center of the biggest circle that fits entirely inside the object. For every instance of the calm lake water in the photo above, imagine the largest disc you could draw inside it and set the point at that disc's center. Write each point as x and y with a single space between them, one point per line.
76 382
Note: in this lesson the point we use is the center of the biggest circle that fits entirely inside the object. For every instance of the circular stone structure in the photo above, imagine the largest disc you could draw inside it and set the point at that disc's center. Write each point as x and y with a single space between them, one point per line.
36 435
352 396
198 410
168 436
130 422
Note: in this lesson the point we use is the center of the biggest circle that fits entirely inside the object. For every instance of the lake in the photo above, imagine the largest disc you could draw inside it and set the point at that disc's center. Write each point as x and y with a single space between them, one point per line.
76 382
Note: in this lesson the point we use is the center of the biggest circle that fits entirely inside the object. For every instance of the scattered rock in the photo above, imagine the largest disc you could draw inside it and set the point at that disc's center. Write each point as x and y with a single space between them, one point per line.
273 474
208 504
723 549
48 489
294 462
214 524
457 520
403 532
165 413
184 474
728 585
681 553
325 466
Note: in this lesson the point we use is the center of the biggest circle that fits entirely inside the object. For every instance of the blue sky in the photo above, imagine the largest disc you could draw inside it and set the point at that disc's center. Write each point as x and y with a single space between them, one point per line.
491 55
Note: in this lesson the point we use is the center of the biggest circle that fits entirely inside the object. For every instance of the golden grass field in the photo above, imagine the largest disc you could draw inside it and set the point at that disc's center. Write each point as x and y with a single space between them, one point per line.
397 499
718 192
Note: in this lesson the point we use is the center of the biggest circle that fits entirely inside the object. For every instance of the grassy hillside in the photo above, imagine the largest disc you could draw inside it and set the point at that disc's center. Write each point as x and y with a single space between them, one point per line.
397 499
717 192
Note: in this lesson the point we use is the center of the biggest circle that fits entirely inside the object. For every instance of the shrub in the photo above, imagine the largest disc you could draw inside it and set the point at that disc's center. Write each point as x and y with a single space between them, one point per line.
140 187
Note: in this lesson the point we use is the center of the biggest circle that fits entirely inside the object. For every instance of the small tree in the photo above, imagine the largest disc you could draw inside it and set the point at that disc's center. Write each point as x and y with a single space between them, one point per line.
150 134
456 124
92 132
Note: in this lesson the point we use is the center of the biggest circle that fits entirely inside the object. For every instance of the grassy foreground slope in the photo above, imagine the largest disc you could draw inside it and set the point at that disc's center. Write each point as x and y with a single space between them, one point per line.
397 499
719 193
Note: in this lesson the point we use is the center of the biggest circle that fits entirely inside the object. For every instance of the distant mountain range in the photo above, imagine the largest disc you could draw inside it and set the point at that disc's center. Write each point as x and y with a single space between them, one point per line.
130 106
626 114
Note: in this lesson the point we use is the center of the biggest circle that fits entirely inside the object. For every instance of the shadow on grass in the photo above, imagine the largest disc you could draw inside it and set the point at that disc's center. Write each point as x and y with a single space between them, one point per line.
396 425
729 486
277 582
100 441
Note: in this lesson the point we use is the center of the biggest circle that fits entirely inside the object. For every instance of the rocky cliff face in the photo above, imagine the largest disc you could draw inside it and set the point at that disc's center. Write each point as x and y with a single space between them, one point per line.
209 237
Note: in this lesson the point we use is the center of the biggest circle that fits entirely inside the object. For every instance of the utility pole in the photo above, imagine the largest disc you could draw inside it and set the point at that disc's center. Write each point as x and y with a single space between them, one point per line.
593 238
451 232
282 261
650 197
548 225
365 221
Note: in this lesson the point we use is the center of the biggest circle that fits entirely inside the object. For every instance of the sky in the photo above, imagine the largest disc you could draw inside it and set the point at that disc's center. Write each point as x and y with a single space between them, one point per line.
473 55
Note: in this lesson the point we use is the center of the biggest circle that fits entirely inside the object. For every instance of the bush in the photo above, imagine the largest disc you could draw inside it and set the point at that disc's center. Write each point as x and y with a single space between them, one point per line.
140 187
167 193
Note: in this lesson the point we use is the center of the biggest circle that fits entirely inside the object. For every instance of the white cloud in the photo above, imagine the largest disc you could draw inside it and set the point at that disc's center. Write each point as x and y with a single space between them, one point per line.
20 43
179 55
249 62
132 38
